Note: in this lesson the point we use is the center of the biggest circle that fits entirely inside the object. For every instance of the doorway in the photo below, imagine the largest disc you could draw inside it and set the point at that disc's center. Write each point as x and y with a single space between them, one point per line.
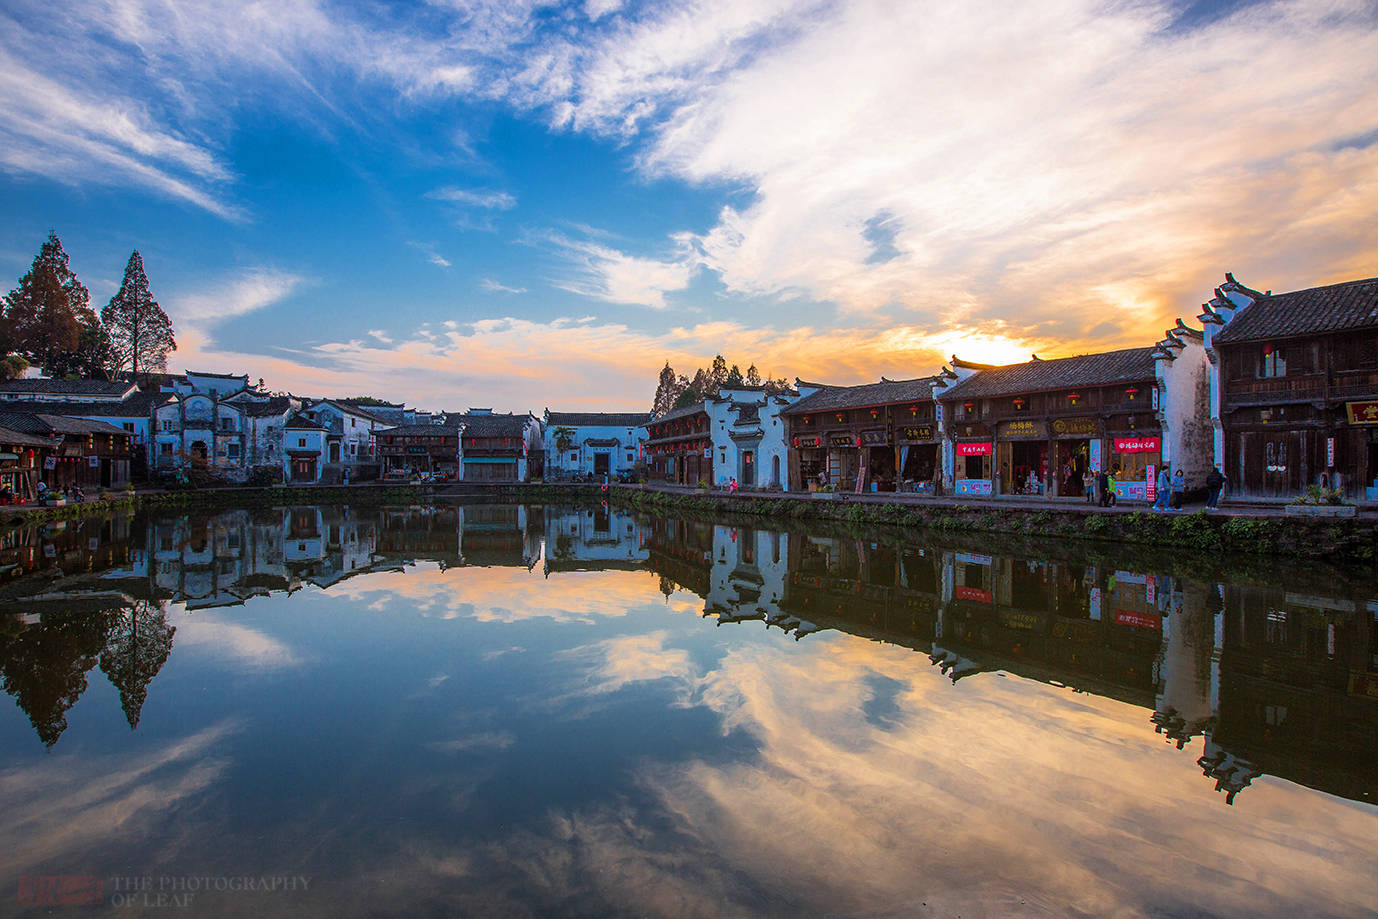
198 455
1073 456
601 463
748 467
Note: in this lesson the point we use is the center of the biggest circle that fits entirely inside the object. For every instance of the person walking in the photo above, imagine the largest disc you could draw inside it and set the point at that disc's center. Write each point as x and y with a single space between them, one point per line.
1215 484
1164 484
1110 499
1179 487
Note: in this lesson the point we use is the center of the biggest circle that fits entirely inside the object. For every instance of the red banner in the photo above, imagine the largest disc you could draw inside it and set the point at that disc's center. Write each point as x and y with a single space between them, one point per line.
973 593
1138 620
1137 444
974 449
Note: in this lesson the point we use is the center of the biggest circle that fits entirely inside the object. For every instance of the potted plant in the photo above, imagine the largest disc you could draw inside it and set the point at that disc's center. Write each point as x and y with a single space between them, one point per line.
1320 501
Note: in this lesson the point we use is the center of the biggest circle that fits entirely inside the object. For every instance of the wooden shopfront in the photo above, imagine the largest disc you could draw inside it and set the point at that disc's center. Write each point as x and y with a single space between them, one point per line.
919 458
679 447
973 450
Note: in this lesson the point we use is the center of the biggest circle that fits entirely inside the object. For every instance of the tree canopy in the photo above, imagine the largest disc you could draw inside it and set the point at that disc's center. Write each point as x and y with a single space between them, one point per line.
49 318
677 391
140 332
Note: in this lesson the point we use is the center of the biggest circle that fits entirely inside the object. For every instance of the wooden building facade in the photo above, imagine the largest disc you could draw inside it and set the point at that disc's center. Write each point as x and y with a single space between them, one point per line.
679 446
1296 380
874 437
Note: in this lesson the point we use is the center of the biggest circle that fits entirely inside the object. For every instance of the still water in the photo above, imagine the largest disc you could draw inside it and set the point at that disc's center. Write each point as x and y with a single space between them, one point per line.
529 711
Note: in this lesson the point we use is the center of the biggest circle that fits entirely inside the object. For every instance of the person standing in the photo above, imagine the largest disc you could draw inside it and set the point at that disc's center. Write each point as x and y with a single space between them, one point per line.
1215 484
1179 487
1110 499
1164 485
1090 481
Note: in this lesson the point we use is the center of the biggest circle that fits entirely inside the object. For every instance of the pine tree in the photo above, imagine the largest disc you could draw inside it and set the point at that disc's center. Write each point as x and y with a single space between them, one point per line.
734 377
717 375
753 376
666 391
140 332
50 311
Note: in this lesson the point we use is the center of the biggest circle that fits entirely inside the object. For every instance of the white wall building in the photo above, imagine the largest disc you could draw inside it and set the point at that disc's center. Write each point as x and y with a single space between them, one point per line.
592 443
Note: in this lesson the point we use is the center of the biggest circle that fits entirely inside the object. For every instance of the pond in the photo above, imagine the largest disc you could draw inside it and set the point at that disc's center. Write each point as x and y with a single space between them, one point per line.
528 711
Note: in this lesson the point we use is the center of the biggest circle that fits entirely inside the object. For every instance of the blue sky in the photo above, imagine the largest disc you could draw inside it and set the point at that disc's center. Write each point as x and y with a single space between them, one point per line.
529 204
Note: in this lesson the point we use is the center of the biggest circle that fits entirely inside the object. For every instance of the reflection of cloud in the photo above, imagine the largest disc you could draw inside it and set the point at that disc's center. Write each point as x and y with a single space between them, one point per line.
247 647
74 805
615 663
490 740
496 594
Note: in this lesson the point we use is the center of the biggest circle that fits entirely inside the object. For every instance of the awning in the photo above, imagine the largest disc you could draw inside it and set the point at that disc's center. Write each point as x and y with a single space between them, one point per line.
490 459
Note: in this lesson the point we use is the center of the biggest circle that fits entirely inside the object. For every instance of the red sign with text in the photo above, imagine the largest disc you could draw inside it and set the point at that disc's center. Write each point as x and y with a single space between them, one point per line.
1137 444
1138 620
974 449
973 593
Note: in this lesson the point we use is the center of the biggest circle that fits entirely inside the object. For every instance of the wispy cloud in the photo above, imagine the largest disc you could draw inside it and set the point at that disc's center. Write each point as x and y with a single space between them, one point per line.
488 199
432 256
605 273
490 285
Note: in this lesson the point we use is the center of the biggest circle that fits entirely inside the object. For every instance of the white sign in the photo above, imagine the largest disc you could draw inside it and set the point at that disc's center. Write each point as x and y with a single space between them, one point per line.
1330 452
93 462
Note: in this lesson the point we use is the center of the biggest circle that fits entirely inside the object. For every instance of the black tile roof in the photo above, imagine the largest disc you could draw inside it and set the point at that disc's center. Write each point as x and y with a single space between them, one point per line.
43 425
302 423
274 405
88 388
419 430
886 392
20 439
1315 311
492 425
599 419
139 405
696 409
1130 365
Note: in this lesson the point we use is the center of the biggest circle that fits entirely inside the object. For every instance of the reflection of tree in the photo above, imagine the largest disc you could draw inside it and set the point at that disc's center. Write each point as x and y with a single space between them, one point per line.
44 666
139 642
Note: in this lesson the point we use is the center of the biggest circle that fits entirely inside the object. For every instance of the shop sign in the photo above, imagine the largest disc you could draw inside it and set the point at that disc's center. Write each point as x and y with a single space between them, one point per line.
1131 491
708 453
1023 428
973 486
1021 621
976 449
1075 427
970 558
917 432
1330 452
1095 455
974 594
1150 482
807 442
1137 444
842 440
1362 412
93 462
1138 620
874 438
1363 684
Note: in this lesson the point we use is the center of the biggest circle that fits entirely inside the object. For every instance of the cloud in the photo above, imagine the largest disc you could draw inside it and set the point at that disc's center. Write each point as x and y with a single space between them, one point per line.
247 647
480 198
494 286
432 256
605 273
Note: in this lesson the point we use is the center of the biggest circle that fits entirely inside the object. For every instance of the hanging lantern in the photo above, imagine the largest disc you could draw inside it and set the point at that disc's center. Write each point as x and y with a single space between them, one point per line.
875 413
1018 403
1131 392
1074 397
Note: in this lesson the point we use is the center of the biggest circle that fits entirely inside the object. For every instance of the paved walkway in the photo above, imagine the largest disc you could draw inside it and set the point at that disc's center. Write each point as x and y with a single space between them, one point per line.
1228 507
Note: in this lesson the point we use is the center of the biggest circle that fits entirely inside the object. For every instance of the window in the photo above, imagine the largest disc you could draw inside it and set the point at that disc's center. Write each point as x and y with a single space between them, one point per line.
165 448
227 424
1273 362
169 425
232 451
631 457
128 426
301 441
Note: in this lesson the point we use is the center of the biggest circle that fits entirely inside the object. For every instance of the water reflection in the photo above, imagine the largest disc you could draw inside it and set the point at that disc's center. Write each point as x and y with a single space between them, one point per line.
1269 679
520 708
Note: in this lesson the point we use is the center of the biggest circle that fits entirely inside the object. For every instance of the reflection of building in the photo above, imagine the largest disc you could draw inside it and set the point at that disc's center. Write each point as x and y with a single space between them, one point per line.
497 535
593 538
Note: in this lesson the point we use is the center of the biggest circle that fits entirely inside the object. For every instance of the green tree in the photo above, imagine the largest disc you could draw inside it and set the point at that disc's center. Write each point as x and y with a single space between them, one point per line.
667 390
564 438
50 316
12 367
140 332
753 376
734 377
717 376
